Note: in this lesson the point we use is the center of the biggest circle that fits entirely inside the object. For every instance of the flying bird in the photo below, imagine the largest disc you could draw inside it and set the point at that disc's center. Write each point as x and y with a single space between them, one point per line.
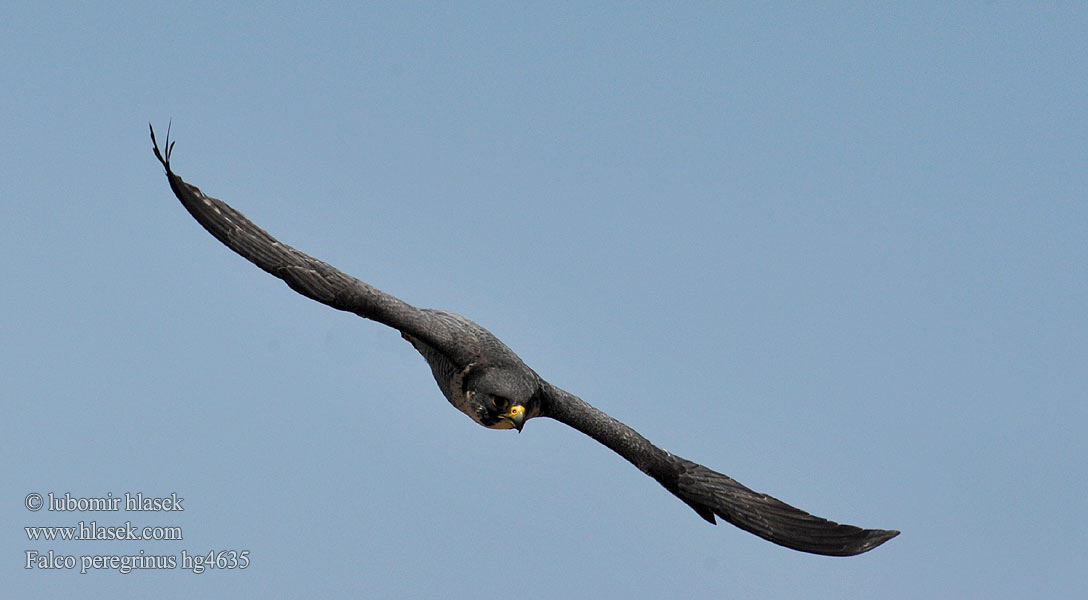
486 380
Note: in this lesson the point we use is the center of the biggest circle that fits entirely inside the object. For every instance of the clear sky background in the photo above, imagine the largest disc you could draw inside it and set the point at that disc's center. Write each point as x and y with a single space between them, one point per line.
837 253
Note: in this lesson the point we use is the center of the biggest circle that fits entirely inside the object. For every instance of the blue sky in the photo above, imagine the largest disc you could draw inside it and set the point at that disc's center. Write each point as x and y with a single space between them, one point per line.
837 253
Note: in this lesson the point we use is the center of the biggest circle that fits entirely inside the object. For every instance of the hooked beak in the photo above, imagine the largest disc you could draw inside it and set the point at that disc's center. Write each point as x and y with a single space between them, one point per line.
516 416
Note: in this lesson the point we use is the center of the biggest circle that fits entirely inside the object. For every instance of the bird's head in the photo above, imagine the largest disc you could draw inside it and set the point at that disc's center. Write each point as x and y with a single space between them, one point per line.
502 398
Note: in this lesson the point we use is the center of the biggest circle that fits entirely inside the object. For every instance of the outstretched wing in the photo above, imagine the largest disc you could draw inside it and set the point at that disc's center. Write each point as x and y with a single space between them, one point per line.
710 493
307 275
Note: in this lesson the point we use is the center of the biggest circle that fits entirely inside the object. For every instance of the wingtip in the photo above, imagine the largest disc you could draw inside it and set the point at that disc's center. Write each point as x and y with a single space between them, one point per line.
167 149
874 538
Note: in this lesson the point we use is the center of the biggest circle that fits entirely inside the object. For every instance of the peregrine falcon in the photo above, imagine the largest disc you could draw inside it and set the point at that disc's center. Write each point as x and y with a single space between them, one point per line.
486 380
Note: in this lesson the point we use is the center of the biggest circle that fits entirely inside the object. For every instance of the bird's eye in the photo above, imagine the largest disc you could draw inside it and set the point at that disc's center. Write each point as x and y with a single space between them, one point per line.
500 403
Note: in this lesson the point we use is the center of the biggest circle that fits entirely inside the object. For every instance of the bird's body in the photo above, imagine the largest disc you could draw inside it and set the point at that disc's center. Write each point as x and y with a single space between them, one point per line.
486 380
490 358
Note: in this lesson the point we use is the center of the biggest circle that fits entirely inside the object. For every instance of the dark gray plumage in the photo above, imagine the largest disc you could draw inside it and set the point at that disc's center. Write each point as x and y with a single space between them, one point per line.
486 380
